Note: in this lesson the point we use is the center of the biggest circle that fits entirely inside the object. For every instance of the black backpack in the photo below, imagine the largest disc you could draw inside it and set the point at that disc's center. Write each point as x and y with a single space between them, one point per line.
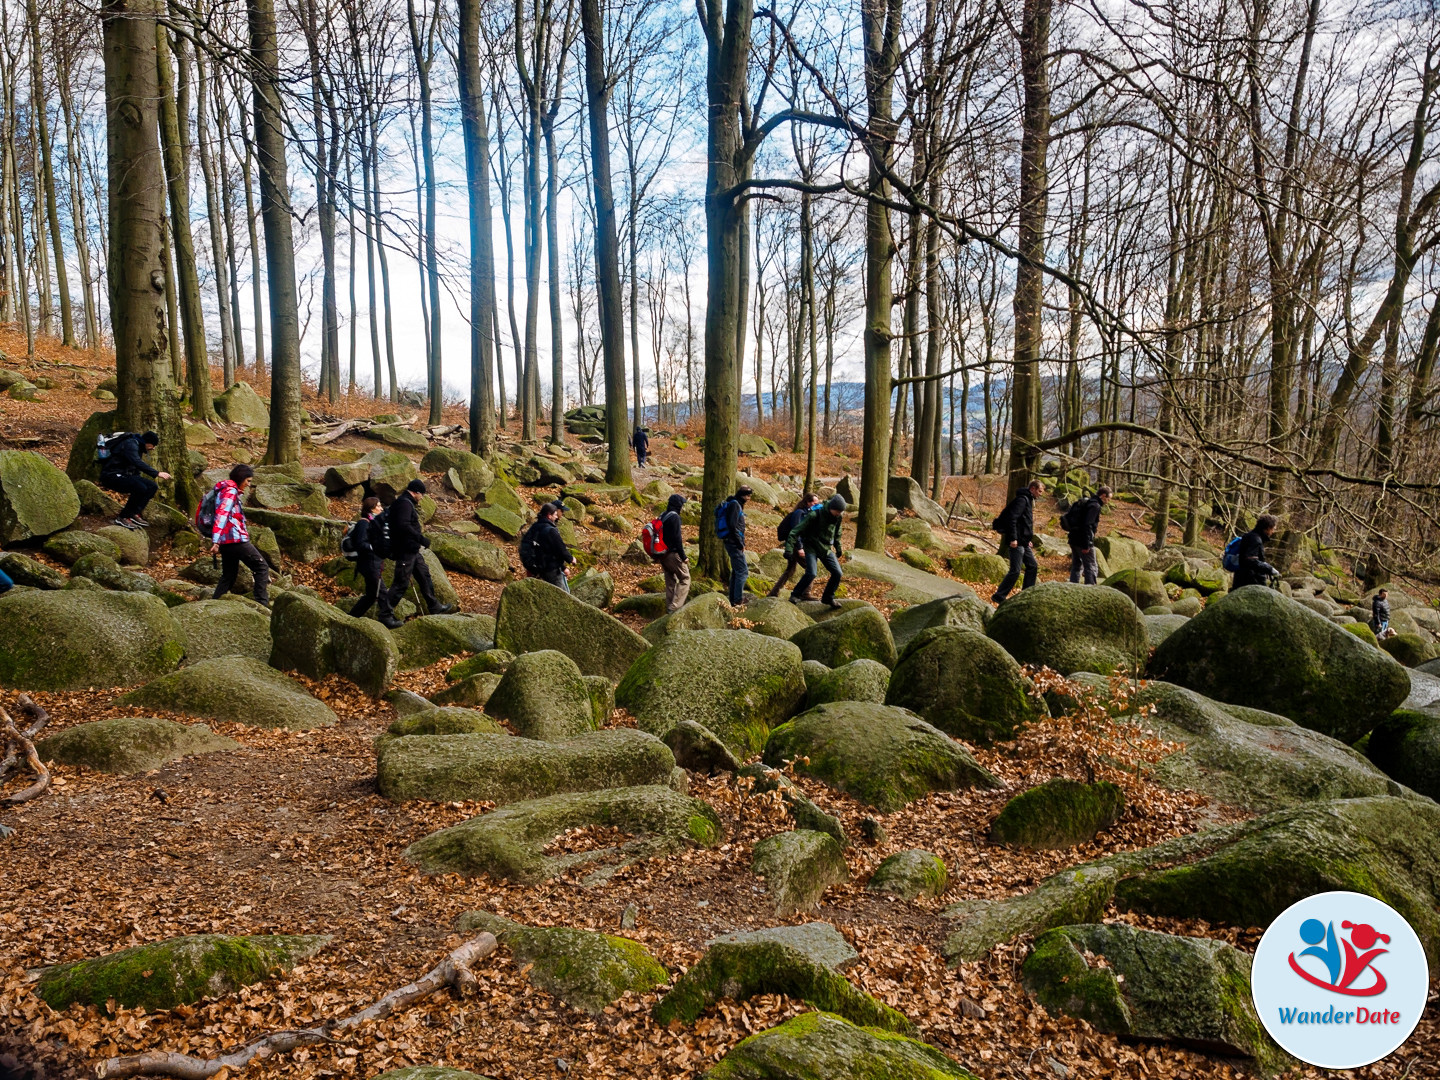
1070 520
532 556
787 526
380 533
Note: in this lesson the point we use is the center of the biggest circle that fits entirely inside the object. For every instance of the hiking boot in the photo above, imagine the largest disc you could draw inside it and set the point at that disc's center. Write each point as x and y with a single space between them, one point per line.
390 622
444 609
126 523
831 603
140 521
797 599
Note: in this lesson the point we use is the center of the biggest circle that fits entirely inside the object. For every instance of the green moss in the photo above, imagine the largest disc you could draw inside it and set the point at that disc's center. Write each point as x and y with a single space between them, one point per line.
798 867
1072 628
1059 813
1059 978
823 1046
964 684
1363 632
910 874
237 689
445 721
72 639
858 634
130 744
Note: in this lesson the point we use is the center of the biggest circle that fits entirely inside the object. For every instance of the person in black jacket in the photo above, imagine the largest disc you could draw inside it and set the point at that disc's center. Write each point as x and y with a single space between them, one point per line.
1380 614
1017 533
673 564
1254 570
368 563
406 543
1086 518
125 470
808 502
543 550
734 541
641 441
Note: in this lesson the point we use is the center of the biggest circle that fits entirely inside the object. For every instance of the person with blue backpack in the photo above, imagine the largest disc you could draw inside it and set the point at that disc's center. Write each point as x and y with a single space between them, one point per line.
223 509
818 535
1245 555
730 528
808 502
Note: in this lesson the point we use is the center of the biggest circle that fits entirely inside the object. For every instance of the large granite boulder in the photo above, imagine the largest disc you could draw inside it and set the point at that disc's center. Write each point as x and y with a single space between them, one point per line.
961 612
534 615
74 639
72 545
432 638
223 627
1406 747
36 498
467 555
904 493
859 634
544 696
775 616
1122 553
859 680
316 639
1145 587
129 744
470 469
1072 628
1257 648
964 684
237 689
708 611
303 537
823 1046
241 405
737 684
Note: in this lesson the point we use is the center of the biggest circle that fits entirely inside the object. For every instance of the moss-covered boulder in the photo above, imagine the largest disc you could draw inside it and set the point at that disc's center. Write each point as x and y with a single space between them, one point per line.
823 1046
467 555
859 634
1122 553
798 867
1406 747
1071 896
1145 587
73 639
1059 813
1140 984
910 874
1199 574
774 616
1257 648
474 473
510 842
443 720
241 405
964 684
472 692
177 971
431 638
316 639
961 612
707 611
303 537
109 574
238 689
36 498
534 615
133 545
69 546
1412 650
737 684
505 769
223 627
751 964
584 969
1072 628
859 680
982 567
23 570
545 697
699 749
885 757
1159 627
496 660
130 744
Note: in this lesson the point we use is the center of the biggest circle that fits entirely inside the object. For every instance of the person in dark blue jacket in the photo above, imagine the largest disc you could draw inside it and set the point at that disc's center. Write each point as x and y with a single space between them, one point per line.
808 502
368 562
126 471
641 441
734 541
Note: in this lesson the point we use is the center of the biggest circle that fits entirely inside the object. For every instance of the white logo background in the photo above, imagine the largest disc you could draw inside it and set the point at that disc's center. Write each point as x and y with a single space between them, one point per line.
1348 1044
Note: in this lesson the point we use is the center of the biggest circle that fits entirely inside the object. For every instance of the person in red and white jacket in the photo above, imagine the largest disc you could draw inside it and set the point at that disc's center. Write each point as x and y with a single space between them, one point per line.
231 537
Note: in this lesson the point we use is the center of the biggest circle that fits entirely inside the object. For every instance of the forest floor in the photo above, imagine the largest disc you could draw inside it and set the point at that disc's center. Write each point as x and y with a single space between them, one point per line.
288 835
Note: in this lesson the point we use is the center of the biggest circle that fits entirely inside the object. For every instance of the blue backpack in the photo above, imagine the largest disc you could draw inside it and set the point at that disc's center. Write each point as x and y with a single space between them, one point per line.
1231 559
722 520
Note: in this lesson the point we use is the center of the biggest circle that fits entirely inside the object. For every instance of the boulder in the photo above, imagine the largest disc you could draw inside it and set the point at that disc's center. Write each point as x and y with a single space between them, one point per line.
316 639
823 1046
388 474
133 544
36 498
747 965
237 689
442 720
964 684
342 479
774 616
474 473
593 587
707 611
95 501
753 445
1159 627
68 547
472 692
23 570
962 612
1140 984
1059 813
798 867
470 556
1406 747
431 638
504 769
600 494
1122 553
903 493
1071 896
242 406
859 680
1257 648
496 660
699 749
397 435
1145 587
302 537
1412 650
510 842
545 697
883 756
907 585
224 627
106 572
584 969
534 615
859 634
176 971
73 639
1072 628
130 744
737 684
910 874
1199 574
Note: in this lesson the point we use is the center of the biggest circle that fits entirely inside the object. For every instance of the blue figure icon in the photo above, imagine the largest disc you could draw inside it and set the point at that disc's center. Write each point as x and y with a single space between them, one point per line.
1312 932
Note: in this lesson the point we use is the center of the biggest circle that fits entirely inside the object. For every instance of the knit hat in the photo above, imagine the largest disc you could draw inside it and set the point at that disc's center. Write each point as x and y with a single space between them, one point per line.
836 503
417 486
150 438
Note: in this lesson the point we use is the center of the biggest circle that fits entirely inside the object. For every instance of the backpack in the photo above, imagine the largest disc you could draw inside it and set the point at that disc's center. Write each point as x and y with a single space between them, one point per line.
206 511
998 525
1231 559
787 526
652 538
103 442
347 542
1072 520
379 535
722 520
532 556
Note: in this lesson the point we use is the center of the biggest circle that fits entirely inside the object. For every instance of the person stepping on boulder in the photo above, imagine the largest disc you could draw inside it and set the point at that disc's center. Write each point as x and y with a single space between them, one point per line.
808 502
1016 526
818 535
543 552
123 469
407 541
230 537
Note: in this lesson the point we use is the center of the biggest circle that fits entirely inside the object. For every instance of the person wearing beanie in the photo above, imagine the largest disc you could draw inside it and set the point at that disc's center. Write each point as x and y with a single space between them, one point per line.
673 564
818 536
124 469
407 542
808 502
730 527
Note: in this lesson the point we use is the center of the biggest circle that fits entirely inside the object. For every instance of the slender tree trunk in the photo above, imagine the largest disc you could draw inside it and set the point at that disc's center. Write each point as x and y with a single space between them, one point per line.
807 284
212 206
47 173
557 322
482 244
326 150
227 197
384 264
256 278
78 216
172 305
423 59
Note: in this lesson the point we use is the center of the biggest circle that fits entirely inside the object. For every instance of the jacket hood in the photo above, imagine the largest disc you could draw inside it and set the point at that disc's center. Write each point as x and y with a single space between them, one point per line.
674 503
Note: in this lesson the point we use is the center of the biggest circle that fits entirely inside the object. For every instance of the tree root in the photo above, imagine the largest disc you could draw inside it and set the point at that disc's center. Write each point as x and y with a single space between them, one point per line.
454 971
21 745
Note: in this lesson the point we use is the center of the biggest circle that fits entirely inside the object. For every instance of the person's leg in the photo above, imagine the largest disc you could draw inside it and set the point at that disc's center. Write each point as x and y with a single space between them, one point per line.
1077 561
1007 583
558 579
400 581
372 592
250 555
682 579
134 492
739 571
833 565
427 586
802 587
229 567
1031 567
1092 568
146 489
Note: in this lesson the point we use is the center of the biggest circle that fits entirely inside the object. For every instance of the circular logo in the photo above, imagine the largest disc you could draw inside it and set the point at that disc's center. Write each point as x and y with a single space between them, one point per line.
1340 980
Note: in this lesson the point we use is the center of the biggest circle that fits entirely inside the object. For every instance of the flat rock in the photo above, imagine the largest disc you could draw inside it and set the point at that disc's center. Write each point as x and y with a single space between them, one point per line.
819 942
23 570
467 555
241 405
908 585
69 546
224 627
130 744
237 689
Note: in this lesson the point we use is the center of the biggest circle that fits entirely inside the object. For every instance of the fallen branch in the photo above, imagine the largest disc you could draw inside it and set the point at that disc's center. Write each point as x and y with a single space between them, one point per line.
454 971
331 436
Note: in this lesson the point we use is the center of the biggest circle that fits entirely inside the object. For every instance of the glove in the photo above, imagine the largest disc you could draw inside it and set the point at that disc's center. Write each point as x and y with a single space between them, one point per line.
425 542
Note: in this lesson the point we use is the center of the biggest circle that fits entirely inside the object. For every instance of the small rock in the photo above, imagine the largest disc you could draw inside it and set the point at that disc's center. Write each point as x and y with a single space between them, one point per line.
872 832
629 917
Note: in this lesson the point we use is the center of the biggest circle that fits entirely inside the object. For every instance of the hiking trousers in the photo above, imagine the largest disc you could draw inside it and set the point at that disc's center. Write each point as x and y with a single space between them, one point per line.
1083 561
739 572
371 570
231 556
813 561
676 569
138 489
406 567
1020 554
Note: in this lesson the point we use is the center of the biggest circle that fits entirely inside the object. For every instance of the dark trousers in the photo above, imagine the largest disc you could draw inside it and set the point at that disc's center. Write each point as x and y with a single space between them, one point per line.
1083 561
1019 554
739 572
557 578
231 556
813 560
140 489
406 567
640 456
370 570
792 563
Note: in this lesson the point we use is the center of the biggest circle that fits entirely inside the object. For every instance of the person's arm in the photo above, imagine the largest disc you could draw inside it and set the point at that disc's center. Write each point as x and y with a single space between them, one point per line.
407 521
1092 524
129 454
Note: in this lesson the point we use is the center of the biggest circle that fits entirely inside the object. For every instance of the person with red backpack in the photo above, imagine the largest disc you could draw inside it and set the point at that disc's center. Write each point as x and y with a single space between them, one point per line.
670 554
230 536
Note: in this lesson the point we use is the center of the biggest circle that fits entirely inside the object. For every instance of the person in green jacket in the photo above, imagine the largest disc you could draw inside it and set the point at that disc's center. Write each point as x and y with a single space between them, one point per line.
818 535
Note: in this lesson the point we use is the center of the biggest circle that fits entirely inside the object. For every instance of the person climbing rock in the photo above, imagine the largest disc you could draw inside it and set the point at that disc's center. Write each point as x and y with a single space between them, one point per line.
673 564
818 536
230 537
368 562
1016 526
808 502
123 469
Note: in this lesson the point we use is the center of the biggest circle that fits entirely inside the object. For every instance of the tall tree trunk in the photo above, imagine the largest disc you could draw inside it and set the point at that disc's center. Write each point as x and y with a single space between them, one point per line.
256 278
172 304
283 446
78 216
227 199
326 151
47 174
384 263
557 321
423 58
212 208
482 244
807 307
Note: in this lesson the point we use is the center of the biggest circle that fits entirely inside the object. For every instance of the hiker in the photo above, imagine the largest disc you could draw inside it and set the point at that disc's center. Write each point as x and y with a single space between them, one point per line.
543 551
641 441
1083 520
1016 526
123 469
230 536
808 502
730 528
407 541
368 562
1380 614
818 533
673 564
1252 569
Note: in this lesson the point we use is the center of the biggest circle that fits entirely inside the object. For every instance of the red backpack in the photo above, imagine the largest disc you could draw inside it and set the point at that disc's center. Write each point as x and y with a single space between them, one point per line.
652 539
